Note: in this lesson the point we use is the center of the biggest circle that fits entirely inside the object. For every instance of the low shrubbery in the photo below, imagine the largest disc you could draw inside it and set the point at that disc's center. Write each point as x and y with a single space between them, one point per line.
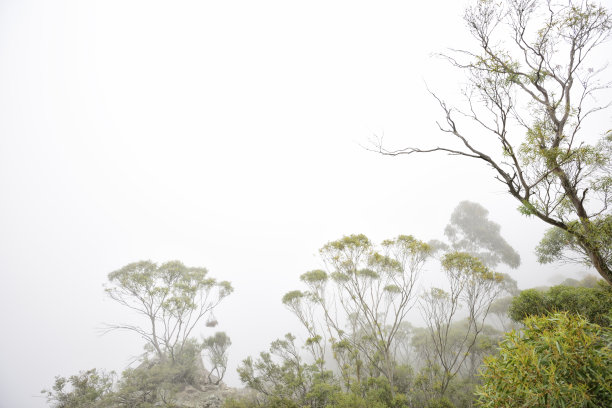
560 360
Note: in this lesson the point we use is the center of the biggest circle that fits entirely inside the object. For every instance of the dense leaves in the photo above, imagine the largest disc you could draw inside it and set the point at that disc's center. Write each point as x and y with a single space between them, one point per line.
594 304
560 360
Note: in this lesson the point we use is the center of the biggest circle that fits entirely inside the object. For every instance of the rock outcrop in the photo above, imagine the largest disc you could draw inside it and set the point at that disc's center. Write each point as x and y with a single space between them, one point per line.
207 393
209 396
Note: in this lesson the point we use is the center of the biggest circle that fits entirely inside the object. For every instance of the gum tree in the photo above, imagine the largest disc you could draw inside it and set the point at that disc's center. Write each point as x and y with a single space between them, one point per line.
215 348
471 231
360 302
531 89
173 298
472 289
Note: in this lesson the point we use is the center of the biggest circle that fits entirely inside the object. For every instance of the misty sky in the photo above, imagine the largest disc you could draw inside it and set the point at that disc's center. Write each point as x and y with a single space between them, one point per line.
225 134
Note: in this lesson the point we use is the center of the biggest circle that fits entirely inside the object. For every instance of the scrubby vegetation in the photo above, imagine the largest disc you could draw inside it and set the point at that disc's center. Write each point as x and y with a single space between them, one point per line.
557 360
358 348
173 299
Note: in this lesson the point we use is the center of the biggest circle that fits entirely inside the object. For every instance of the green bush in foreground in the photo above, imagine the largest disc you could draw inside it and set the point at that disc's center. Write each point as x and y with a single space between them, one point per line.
560 360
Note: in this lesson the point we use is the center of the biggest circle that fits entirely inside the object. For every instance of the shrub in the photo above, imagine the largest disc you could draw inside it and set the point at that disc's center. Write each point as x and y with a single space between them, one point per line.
86 389
560 360
593 303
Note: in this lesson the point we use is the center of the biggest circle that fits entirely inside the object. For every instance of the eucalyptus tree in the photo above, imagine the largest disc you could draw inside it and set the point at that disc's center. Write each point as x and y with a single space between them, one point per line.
472 289
471 231
359 303
280 375
531 90
215 348
171 297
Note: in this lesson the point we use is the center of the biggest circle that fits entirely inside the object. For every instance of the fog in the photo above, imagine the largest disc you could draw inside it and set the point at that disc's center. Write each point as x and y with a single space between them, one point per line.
231 135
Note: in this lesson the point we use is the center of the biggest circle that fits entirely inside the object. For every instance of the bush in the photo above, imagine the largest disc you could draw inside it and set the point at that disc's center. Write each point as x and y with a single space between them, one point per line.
87 389
560 360
592 303
155 382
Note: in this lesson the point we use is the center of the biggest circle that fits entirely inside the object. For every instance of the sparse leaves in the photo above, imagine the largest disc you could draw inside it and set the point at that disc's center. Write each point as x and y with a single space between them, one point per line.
530 90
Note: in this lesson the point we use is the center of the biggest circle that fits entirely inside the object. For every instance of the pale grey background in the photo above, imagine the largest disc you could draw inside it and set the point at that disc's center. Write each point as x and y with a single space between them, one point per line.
226 134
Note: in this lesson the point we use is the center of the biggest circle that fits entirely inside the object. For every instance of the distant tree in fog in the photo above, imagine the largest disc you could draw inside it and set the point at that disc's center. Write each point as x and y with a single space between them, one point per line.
471 231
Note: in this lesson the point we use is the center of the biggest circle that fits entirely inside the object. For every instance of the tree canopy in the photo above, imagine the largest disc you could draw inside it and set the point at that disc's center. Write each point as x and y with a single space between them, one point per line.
173 298
531 87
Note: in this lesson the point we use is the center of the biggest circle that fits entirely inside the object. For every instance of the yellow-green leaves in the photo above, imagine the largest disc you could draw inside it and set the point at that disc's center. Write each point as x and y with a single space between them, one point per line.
315 276
392 289
355 241
292 297
467 264
408 243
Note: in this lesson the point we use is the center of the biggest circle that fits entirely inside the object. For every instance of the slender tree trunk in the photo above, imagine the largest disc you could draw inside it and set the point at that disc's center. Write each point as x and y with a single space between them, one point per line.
160 354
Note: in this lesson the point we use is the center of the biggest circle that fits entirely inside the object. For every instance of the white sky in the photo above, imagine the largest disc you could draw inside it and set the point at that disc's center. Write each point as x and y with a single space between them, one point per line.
225 134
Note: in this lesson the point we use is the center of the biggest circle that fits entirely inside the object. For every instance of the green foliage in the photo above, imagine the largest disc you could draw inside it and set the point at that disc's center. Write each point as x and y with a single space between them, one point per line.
594 304
560 360
354 242
155 382
465 264
454 345
530 302
566 246
280 374
282 379
293 298
88 389
314 276
240 403
215 348
145 387
372 393
440 403
531 88
371 290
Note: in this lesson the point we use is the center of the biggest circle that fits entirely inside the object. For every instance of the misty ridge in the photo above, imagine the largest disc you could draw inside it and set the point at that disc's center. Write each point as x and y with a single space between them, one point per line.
183 162
359 347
